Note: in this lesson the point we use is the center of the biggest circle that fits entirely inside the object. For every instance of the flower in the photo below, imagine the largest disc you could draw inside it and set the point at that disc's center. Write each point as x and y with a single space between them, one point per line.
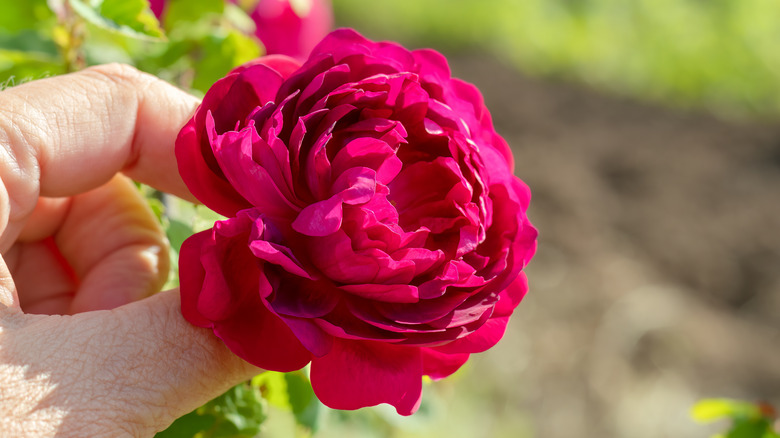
286 27
375 228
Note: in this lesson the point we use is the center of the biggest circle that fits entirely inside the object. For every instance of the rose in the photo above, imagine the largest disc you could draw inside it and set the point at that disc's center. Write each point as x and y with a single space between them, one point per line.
374 226
286 27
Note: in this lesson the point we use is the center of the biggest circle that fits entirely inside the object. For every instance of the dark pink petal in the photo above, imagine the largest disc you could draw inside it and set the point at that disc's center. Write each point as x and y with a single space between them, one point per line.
432 67
489 334
321 218
356 185
233 151
312 337
341 41
388 293
210 188
262 339
278 255
482 339
438 365
282 64
283 30
356 374
157 7
191 275
368 152
303 298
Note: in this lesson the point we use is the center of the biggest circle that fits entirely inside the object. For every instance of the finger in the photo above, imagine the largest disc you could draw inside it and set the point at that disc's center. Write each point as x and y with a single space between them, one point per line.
154 364
65 135
107 238
45 283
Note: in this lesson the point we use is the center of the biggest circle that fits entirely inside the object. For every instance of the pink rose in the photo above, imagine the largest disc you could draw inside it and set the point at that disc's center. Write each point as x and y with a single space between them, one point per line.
375 228
286 27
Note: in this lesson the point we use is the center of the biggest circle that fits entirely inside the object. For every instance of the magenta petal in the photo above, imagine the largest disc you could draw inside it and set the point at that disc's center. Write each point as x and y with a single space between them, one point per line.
191 275
210 188
262 339
438 365
356 374
316 340
320 219
388 293
278 255
233 151
482 339
356 185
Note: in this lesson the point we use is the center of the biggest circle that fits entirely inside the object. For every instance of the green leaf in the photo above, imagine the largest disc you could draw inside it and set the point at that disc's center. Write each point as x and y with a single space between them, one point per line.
177 232
188 426
29 14
305 405
132 18
715 409
750 429
220 54
28 41
183 12
273 386
239 412
291 392
18 66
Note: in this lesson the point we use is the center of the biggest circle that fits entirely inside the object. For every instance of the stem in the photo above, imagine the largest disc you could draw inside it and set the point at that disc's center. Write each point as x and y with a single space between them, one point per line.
72 53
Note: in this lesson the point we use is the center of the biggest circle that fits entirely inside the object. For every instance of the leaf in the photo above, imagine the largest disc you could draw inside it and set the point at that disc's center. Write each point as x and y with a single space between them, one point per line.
28 41
291 392
21 15
132 18
220 54
273 387
188 426
18 66
182 12
177 232
305 405
715 409
239 412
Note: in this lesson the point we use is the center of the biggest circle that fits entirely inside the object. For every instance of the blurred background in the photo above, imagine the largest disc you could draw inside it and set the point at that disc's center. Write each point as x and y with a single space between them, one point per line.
649 133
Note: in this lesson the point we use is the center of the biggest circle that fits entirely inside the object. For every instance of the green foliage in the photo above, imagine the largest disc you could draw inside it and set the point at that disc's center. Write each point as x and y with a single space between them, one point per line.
130 17
238 413
292 392
18 16
749 420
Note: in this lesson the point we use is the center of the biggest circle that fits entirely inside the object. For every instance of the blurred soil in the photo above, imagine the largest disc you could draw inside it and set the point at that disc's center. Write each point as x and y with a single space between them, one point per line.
657 280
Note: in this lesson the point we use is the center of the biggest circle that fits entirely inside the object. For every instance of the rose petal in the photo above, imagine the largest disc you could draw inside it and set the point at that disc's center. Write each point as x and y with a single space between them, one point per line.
438 365
362 373
321 218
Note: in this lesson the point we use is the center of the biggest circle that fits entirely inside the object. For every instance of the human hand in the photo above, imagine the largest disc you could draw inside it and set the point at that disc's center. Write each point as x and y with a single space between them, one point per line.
82 351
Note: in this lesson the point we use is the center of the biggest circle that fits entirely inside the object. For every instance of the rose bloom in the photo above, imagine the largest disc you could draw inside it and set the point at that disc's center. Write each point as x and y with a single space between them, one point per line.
375 228
287 27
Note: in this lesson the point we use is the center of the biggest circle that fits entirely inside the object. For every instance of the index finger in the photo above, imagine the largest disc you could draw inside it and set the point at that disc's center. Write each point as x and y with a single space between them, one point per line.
68 134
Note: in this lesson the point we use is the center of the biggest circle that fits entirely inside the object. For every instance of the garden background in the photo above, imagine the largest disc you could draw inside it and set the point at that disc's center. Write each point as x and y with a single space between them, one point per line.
649 133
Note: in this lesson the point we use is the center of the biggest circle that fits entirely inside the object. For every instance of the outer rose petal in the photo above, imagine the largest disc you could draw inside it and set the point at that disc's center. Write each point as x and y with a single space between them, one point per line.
282 30
262 339
493 330
209 188
356 374
191 278
253 333
438 365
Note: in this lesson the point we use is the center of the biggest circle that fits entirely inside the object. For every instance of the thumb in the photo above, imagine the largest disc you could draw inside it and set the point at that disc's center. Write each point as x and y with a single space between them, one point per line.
133 369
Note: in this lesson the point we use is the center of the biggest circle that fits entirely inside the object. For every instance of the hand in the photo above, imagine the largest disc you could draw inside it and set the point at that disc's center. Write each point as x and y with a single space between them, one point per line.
85 348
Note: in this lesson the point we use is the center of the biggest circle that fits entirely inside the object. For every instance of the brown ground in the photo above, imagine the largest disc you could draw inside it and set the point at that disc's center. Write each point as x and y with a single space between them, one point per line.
657 280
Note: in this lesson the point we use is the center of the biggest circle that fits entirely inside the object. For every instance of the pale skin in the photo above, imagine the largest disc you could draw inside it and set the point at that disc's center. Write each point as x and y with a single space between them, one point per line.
91 350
